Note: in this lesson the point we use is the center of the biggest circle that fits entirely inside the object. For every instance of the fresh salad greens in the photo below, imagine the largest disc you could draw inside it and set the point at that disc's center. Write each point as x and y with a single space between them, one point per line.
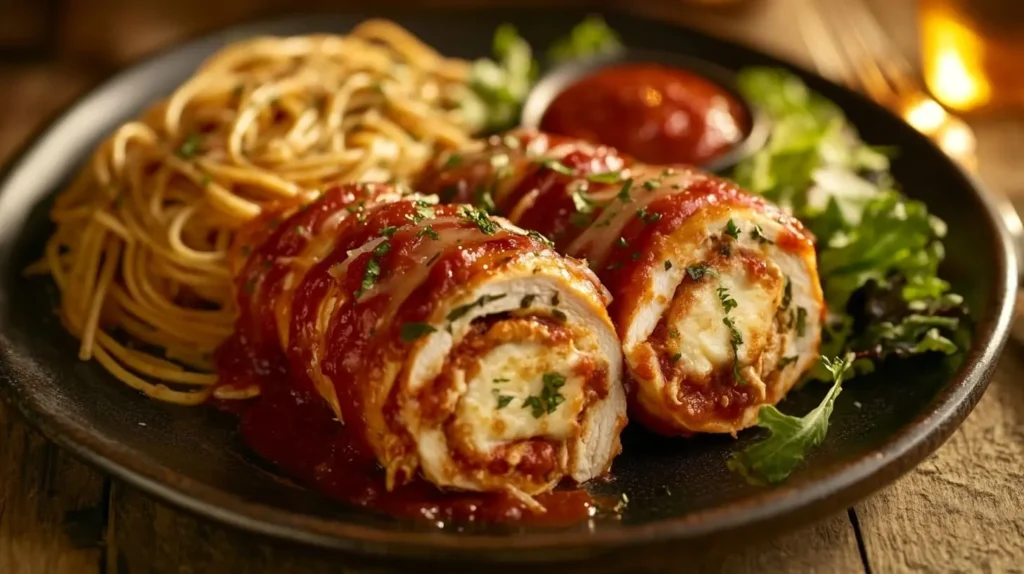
774 458
499 86
878 253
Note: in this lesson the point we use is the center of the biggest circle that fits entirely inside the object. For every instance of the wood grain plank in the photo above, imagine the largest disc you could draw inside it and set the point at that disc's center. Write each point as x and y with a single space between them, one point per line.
148 537
962 510
51 505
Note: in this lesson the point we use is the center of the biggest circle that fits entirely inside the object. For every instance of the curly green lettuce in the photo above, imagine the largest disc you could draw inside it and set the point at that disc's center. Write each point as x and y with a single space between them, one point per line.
878 254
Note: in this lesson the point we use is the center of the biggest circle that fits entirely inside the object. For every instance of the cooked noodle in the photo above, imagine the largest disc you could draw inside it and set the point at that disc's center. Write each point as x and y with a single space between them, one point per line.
140 253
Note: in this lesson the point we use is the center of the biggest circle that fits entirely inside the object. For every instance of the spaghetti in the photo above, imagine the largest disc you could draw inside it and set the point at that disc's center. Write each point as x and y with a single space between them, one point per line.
140 253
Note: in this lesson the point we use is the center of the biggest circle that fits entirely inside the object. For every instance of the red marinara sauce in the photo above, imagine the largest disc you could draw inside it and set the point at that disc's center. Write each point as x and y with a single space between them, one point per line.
655 113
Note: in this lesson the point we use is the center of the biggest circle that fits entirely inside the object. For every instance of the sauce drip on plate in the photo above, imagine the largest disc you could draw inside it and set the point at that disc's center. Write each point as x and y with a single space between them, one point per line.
655 113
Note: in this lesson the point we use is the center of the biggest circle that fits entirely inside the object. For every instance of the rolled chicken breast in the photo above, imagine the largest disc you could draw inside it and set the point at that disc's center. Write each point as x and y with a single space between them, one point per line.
452 345
716 296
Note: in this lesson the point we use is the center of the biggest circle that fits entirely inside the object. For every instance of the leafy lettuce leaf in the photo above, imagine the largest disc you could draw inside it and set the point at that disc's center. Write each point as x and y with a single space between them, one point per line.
773 459
499 85
591 37
868 233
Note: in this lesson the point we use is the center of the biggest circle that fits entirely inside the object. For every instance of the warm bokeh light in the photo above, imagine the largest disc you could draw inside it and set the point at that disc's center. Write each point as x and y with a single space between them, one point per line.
926 115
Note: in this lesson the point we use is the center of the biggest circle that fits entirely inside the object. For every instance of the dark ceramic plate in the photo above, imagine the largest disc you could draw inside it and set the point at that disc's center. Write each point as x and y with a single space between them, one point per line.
680 492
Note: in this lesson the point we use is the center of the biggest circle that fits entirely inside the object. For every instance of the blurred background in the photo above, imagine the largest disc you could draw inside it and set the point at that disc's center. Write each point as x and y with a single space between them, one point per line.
964 53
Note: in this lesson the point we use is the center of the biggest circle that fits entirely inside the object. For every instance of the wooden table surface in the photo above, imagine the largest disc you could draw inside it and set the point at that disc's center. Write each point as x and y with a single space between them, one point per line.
962 510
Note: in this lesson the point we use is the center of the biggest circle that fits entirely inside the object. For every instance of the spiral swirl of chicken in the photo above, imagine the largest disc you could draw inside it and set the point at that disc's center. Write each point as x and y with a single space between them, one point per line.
451 345
716 296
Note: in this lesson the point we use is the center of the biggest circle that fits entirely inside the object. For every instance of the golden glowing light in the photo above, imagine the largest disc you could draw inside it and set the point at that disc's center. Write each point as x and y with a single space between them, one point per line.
953 61
925 115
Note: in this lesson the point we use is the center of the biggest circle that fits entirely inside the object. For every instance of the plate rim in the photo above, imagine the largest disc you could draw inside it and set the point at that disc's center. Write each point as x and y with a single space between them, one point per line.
825 491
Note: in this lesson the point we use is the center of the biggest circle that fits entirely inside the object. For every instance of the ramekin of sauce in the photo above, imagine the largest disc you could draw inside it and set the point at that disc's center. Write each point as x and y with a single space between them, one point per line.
656 107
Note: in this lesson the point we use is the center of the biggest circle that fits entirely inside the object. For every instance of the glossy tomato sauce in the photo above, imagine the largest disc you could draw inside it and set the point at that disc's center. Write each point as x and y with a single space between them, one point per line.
652 112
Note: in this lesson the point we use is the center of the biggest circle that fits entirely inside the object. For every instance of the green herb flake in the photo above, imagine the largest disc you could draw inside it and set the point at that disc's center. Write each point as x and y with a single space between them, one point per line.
621 242
550 397
623 194
480 219
648 217
503 400
557 166
605 177
428 231
388 231
675 358
559 315
668 265
370 276
526 301
651 185
801 321
460 311
191 146
699 271
556 299
731 229
453 161
758 234
537 236
412 331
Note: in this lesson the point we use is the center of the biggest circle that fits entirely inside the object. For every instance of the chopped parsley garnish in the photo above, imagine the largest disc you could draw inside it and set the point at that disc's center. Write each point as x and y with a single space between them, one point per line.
382 249
482 221
526 301
461 310
501 380
580 201
388 231
413 331
556 299
190 147
787 294
605 177
485 200
428 231
735 337
674 333
558 314
453 160
503 400
370 276
301 229
424 210
668 265
621 242
698 271
540 237
557 166
728 303
801 321
650 185
623 195
648 217
549 397
675 358
758 234
731 229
